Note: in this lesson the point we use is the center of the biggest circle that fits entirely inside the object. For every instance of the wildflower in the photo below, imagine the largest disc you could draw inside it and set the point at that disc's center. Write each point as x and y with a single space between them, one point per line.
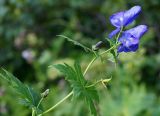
123 18
130 39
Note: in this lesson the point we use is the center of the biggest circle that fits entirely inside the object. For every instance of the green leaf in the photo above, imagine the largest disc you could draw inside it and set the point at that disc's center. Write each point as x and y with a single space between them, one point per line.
28 96
77 43
79 85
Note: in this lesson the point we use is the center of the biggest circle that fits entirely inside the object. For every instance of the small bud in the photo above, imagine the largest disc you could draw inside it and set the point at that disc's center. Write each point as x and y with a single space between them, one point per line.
106 80
45 94
97 46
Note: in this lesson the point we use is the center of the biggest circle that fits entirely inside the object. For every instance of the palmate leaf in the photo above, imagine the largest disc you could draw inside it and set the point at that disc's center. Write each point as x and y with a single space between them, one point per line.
28 96
79 85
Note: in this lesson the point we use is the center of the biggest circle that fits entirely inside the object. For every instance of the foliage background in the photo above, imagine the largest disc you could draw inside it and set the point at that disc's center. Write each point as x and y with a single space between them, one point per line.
28 45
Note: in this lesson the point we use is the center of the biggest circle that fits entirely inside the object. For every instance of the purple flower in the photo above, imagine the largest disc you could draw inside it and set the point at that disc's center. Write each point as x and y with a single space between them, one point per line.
130 38
123 18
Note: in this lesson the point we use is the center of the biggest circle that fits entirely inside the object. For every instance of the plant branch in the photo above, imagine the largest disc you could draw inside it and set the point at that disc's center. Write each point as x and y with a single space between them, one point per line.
50 109
119 35
110 49
89 65
40 102
33 112
94 84
71 93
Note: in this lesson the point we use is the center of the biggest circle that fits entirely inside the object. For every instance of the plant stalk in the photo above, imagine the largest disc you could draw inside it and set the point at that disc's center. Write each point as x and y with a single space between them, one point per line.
61 101
71 93
33 112
40 102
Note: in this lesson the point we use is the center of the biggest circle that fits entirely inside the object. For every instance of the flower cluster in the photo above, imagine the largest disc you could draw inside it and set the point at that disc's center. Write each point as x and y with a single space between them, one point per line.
129 40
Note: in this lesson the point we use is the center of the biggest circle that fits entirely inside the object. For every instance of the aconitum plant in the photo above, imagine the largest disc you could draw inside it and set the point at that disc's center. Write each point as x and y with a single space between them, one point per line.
129 40
120 40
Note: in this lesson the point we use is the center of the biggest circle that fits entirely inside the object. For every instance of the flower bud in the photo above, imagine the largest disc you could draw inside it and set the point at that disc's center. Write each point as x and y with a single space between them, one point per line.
97 46
45 93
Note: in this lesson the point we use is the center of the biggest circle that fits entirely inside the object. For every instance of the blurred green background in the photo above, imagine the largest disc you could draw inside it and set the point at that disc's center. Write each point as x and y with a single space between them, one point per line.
28 45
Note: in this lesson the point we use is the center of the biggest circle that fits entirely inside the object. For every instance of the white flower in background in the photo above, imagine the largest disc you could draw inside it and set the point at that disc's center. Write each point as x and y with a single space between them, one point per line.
28 55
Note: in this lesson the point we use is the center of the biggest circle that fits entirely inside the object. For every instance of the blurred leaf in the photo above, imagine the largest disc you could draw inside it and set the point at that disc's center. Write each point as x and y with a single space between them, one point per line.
28 96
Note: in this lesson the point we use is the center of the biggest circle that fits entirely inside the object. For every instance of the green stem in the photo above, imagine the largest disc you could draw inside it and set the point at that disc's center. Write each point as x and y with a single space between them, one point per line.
33 112
50 109
116 61
89 65
94 84
119 35
40 102
71 93
94 59
110 49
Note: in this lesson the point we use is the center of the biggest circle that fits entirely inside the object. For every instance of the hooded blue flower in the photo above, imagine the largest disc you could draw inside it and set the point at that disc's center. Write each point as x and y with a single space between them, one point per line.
123 18
130 39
